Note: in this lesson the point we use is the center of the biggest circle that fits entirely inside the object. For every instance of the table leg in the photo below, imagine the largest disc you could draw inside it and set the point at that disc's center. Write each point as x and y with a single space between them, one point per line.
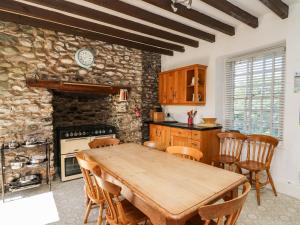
231 194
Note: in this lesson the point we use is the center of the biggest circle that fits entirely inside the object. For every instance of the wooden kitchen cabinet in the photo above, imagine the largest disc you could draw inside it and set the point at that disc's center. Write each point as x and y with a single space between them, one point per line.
161 135
205 140
183 86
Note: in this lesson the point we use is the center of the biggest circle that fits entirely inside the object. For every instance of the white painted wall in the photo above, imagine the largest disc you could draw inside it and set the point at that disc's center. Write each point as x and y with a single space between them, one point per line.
272 30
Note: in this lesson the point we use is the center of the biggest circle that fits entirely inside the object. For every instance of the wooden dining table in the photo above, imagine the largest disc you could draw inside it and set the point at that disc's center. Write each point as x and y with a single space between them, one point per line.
166 188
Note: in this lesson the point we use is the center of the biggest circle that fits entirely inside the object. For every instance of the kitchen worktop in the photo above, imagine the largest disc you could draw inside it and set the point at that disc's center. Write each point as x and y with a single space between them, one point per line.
185 126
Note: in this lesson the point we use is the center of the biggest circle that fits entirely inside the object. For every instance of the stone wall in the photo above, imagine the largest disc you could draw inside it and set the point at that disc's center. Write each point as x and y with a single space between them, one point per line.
26 112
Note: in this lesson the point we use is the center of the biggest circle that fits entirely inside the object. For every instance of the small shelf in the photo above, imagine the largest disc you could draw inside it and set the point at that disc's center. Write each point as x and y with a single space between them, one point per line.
16 186
6 148
10 189
36 165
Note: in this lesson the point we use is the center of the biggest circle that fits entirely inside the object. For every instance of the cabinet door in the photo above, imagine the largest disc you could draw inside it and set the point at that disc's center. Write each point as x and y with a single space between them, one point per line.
165 137
195 144
179 87
170 83
179 141
162 89
153 132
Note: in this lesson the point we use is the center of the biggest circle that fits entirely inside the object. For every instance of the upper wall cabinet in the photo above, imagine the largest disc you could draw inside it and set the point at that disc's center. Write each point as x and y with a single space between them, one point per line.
183 86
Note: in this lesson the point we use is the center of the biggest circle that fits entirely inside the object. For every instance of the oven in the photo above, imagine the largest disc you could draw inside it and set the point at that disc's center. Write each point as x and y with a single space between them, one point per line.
75 139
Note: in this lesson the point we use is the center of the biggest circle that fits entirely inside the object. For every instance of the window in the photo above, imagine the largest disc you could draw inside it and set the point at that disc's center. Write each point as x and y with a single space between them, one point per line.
254 97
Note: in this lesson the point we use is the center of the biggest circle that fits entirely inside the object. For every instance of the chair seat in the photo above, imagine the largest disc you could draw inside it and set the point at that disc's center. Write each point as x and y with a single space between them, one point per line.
225 159
133 215
251 165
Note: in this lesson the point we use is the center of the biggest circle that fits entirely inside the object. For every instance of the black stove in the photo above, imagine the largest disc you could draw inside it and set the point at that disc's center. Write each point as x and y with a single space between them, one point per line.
84 131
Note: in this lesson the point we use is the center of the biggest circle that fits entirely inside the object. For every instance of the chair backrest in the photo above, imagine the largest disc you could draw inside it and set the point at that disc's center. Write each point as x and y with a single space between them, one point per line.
103 142
111 193
227 212
185 152
87 166
261 148
150 144
231 143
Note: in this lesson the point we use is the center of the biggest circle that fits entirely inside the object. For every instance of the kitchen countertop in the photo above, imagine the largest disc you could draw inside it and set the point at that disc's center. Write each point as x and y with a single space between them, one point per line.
185 126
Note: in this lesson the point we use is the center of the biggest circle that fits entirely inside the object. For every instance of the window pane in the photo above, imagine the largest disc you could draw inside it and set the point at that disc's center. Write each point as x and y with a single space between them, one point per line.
256 99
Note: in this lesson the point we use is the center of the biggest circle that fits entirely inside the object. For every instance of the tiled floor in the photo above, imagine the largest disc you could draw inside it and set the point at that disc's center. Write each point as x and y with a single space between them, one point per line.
64 206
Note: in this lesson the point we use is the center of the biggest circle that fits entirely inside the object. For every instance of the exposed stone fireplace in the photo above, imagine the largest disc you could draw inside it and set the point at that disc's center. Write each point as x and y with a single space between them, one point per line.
26 112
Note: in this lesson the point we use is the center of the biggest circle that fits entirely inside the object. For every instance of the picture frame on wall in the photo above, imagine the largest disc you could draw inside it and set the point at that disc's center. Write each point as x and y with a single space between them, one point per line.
297 82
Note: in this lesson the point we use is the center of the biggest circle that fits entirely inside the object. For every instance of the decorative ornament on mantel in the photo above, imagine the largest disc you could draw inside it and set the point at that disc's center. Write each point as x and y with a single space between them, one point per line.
123 95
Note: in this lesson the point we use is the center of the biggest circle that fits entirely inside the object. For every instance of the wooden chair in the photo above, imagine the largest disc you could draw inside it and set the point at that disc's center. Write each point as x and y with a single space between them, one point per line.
185 152
150 144
103 142
231 145
119 212
260 150
92 190
226 213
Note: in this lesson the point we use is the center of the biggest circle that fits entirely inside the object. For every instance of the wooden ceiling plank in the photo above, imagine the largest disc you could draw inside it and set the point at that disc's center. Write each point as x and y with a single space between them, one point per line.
278 7
25 20
195 16
145 15
111 19
234 11
24 9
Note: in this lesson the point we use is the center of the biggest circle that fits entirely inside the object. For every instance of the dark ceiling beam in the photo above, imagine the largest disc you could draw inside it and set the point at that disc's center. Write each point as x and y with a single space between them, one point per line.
234 11
278 7
25 20
110 19
24 9
195 16
148 16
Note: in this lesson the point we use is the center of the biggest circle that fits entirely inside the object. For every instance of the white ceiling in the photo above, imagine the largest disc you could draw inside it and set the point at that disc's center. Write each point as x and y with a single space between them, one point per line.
255 7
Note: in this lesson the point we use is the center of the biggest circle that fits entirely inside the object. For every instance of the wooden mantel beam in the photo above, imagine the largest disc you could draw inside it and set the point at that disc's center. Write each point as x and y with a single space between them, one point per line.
86 12
194 15
25 20
136 12
278 7
234 11
72 87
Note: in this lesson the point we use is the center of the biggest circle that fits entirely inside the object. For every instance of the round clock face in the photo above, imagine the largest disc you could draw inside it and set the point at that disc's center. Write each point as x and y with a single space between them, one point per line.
84 58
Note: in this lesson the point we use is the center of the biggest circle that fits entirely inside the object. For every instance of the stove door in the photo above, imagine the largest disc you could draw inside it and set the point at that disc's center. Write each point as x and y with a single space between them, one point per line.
73 145
70 168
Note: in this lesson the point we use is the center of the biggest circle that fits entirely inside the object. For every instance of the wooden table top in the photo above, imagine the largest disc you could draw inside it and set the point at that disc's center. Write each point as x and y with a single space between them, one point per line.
173 184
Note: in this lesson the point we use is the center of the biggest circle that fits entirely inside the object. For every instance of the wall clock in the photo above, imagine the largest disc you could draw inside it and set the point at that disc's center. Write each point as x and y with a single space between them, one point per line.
84 58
